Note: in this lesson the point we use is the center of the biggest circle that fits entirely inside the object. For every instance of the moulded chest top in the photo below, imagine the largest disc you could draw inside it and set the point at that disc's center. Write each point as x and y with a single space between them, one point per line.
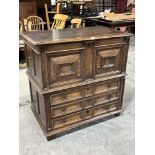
71 35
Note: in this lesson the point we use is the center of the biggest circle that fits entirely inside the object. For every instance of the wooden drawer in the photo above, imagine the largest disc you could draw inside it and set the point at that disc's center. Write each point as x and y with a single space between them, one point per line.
66 109
65 97
69 119
71 107
84 115
85 91
107 98
73 118
106 86
105 108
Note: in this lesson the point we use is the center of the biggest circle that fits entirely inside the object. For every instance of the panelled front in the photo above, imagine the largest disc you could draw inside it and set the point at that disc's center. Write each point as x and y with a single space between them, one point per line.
77 81
34 64
86 91
109 59
37 101
72 63
87 60
89 101
84 115
65 67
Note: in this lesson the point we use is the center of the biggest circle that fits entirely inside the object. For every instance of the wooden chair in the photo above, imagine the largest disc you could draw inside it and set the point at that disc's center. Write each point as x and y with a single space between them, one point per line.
51 12
59 21
76 22
34 23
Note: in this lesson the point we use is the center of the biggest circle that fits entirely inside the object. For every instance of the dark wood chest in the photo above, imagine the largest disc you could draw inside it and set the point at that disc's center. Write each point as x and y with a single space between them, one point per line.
76 76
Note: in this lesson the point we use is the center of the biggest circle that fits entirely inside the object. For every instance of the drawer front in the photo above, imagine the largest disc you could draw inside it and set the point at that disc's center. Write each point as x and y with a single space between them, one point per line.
73 118
107 86
88 103
65 97
87 114
105 108
109 60
71 107
102 99
84 115
70 119
66 109
86 92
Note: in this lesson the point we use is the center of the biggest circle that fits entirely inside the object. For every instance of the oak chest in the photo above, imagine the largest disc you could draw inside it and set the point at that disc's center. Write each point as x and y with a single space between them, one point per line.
76 76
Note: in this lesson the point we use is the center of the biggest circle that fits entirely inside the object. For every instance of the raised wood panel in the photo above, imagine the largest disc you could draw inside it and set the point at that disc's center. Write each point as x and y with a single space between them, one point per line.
34 65
35 99
65 68
30 60
37 67
42 111
109 60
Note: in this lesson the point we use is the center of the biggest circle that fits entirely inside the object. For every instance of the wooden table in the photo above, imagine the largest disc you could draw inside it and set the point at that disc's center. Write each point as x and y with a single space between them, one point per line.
109 23
76 76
